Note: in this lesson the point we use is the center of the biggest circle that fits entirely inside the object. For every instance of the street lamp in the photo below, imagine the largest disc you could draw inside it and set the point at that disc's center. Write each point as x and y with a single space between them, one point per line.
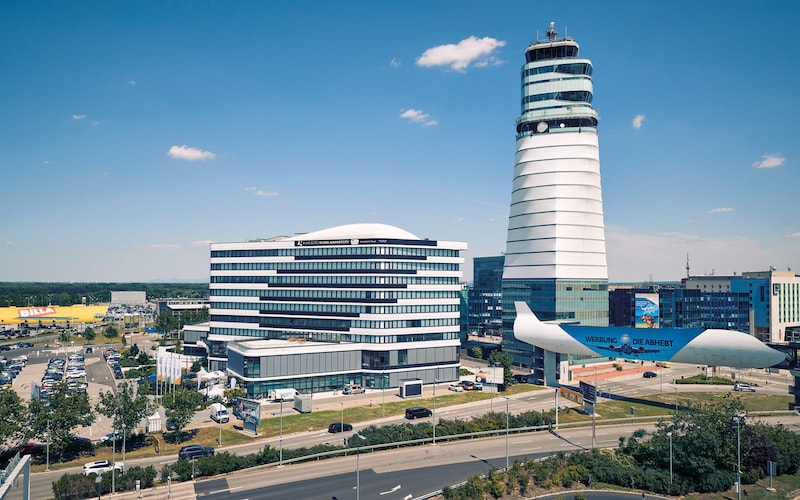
342 421
280 456
433 414
113 453
738 420
504 397
358 469
669 435
384 377
123 444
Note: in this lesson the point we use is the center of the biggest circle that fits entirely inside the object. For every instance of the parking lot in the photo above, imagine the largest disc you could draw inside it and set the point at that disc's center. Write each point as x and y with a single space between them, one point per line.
99 377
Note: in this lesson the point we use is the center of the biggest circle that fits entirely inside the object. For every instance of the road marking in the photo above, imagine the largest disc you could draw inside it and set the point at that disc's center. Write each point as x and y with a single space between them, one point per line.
391 491
408 497
531 449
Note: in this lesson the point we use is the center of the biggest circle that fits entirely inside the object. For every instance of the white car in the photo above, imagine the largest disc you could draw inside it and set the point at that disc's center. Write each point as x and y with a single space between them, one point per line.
75 373
455 387
101 466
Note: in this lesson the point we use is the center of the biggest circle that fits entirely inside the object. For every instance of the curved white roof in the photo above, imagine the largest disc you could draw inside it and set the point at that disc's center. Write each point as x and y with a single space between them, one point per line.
360 231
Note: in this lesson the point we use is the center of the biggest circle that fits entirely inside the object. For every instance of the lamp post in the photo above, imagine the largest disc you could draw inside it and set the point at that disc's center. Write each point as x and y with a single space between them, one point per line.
123 444
669 435
504 397
48 442
358 469
738 420
113 453
594 404
384 377
280 453
433 414
342 421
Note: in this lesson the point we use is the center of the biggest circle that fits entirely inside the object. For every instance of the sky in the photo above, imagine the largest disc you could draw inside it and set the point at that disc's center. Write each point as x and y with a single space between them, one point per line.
133 134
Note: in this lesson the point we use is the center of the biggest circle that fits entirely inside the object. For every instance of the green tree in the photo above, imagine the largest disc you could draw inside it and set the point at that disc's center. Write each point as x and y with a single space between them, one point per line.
89 333
166 323
180 405
133 351
110 332
62 411
233 393
499 358
12 415
125 408
477 352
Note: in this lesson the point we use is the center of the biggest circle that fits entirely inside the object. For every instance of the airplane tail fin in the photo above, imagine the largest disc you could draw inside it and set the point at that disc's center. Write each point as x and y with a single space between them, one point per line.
524 310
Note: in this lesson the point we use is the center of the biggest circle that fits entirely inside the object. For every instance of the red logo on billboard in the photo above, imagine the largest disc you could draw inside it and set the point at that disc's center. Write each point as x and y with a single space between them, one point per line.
36 312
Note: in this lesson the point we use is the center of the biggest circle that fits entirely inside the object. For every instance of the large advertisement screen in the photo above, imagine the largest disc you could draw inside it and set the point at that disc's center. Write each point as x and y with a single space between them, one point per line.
646 310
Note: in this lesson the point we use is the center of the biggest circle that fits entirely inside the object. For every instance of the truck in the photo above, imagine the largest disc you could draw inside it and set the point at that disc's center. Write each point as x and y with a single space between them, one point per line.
219 413
286 394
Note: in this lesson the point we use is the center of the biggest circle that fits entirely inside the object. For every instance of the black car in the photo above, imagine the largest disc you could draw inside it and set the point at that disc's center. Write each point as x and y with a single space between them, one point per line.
417 412
649 374
191 451
339 427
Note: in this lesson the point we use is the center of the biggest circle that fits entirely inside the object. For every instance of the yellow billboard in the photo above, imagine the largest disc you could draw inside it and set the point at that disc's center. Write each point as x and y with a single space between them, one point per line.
49 315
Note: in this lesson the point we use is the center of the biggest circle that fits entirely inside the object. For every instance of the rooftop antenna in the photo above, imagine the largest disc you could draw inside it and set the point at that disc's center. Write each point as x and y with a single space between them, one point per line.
687 266
552 33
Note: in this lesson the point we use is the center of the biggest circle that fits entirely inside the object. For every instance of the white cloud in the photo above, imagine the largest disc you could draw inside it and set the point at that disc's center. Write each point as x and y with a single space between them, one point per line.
10 243
48 162
459 220
191 154
132 83
78 117
472 50
202 243
720 210
261 192
770 161
418 116
394 63
163 246
794 235
637 121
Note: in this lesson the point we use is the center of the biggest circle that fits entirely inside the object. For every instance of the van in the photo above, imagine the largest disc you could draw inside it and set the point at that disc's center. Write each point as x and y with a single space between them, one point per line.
353 389
219 413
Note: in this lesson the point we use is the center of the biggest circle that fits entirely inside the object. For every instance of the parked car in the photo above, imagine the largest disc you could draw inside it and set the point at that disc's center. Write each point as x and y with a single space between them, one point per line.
191 451
455 388
417 412
468 385
353 389
743 388
649 374
101 466
339 427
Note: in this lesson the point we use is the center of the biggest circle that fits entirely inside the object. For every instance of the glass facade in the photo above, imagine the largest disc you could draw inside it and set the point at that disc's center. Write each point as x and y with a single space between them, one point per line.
337 286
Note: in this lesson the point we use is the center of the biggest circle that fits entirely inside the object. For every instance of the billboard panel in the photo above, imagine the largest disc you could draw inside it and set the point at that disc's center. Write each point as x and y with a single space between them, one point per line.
646 310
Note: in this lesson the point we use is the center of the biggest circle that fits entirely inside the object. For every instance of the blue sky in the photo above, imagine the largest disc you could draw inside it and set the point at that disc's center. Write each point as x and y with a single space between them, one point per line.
135 133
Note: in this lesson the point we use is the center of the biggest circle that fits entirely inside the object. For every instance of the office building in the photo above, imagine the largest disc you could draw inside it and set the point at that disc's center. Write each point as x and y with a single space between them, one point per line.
485 294
555 257
365 304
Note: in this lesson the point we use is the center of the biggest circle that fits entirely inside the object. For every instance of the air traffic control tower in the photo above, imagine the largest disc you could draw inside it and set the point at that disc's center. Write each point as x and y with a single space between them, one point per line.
555 258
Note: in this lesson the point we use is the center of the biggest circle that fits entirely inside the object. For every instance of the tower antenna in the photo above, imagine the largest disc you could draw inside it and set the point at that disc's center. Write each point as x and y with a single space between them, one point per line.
687 266
552 33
